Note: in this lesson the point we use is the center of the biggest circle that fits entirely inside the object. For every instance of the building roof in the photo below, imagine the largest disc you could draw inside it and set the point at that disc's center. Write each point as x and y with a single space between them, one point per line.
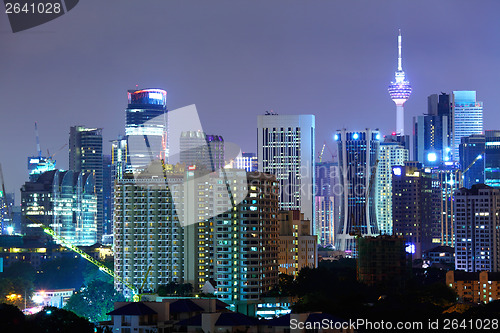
283 321
184 305
448 249
133 309
220 305
225 319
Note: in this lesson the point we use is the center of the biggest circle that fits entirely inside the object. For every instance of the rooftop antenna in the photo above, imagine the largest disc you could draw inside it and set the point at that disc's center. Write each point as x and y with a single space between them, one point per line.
400 60
38 149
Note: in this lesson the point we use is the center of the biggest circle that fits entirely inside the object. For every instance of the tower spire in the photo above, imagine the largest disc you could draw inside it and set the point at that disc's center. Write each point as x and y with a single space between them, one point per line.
400 90
400 60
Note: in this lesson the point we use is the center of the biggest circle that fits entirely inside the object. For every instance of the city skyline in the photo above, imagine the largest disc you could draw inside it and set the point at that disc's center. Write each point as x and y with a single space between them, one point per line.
320 64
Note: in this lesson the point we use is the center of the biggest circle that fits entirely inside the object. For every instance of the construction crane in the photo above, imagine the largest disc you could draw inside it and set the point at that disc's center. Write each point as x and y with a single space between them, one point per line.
38 149
320 155
102 268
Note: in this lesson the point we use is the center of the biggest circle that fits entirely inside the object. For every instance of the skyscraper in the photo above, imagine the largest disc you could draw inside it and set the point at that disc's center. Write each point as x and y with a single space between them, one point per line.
285 148
400 90
467 118
327 201
477 229
447 179
414 207
146 126
64 201
85 155
391 154
433 132
358 155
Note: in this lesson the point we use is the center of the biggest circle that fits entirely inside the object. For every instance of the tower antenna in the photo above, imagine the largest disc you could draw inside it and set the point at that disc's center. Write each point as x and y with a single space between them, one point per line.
38 149
400 60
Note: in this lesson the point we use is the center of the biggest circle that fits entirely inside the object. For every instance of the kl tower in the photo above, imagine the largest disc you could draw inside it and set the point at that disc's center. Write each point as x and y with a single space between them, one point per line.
400 91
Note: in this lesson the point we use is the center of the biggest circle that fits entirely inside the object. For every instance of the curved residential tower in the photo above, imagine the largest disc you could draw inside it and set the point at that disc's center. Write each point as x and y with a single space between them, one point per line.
400 90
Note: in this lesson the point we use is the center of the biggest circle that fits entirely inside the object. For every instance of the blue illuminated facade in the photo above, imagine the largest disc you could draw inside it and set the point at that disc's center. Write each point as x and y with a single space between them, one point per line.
358 153
480 159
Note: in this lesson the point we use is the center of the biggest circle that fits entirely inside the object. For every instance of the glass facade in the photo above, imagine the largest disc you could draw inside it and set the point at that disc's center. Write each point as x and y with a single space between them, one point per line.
358 155
467 118
146 126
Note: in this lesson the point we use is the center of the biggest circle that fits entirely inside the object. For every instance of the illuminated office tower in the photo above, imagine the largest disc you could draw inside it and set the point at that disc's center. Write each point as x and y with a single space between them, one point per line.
477 229
358 153
433 132
391 154
200 149
146 127
400 90
467 118
415 201
480 159
285 145
447 179
64 201
327 200
85 155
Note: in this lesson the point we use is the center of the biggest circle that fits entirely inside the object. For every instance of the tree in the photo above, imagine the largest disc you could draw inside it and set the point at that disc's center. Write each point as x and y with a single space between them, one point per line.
55 320
175 289
94 301
16 283
11 319
91 272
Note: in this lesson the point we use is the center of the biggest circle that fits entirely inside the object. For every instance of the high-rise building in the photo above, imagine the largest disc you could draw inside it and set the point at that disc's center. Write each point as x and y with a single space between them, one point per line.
285 146
147 232
391 154
64 201
400 90
415 203
297 247
107 199
467 118
433 132
480 159
358 155
246 243
447 179
85 155
146 127
200 149
327 201
180 224
477 229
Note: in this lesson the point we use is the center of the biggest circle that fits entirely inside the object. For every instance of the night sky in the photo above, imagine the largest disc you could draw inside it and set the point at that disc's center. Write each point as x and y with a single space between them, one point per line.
235 60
